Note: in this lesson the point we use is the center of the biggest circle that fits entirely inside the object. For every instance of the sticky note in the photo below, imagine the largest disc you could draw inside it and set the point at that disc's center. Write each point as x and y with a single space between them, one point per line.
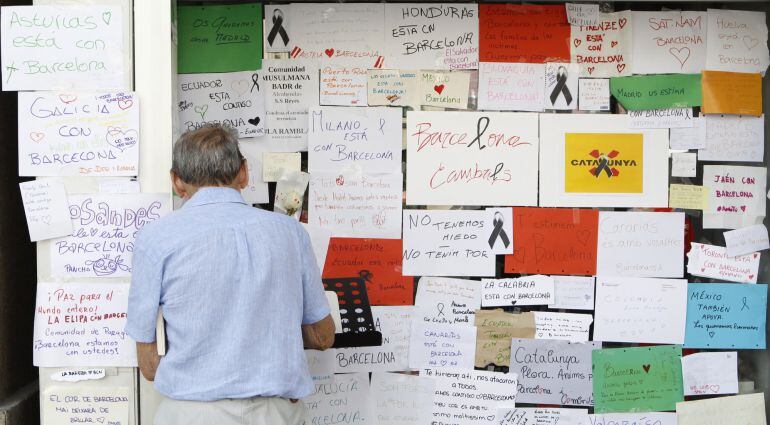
732 93
687 197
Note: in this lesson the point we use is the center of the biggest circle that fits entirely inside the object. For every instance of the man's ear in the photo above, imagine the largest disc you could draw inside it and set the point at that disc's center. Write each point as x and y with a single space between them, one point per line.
242 178
179 186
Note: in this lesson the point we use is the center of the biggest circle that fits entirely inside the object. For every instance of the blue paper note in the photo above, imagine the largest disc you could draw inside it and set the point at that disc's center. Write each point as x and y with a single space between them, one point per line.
726 315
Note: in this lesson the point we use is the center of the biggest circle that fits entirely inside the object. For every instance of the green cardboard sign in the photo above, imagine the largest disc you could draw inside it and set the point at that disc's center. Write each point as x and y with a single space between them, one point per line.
657 91
219 38
640 379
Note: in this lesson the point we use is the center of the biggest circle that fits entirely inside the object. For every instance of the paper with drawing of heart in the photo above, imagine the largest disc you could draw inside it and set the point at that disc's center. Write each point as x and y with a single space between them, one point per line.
46 208
712 261
710 373
604 49
445 89
737 41
669 42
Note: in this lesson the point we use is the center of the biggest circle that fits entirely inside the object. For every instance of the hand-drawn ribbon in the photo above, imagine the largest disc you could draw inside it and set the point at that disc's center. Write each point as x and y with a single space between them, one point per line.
440 308
254 82
366 275
603 166
561 87
278 28
480 132
498 231
745 305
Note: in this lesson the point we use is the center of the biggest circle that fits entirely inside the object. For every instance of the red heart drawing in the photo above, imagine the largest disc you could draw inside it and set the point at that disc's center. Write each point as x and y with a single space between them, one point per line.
613 43
703 269
576 42
67 98
329 52
438 89
622 22
621 67
125 104
646 368
340 181
756 254
591 70
743 208
751 276
36 136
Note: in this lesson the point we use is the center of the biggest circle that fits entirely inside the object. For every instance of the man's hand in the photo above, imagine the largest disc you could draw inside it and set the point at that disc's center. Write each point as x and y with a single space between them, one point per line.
148 358
319 335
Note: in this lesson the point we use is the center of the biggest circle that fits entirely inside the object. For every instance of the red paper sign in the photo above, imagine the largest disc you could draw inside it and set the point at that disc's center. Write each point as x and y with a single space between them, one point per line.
378 261
553 241
523 33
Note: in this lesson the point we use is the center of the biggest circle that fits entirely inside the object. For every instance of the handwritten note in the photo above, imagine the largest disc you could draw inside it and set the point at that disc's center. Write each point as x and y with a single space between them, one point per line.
594 94
683 164
640 244
523 33
641 378
276 163
689 137
62 47
393 87
445 89
737 41
432 35
687 197
447 301
46 208
511 86
553 372
710 373
564 326
603 49
394 323
377 259
713 261
471 158
582 14
561 86
356 205
105 226
290 87
256 191
495 328
81 324
661 118
746 240
553 241
657 418
78 134
527 290
364 140
736 196
343 84
640 310
82 404
732 93
446 243
748 409
470 397
725 315
642 92
573 293
669 42
541 416
401 399
451 346
339 397
731 138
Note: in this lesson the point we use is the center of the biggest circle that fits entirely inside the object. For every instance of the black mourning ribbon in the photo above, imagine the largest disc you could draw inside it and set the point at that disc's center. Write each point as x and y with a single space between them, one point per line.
254 82
561 87
278 28
498 231
603 166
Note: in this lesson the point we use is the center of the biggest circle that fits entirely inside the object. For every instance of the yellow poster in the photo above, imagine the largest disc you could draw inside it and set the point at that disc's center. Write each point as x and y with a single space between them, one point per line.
603 163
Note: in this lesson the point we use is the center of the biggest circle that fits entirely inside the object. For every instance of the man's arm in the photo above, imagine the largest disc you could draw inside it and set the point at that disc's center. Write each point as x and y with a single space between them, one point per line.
148 358
319 335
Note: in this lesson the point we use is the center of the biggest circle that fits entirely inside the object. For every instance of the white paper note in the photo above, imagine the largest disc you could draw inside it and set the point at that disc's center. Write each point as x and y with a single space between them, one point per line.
737 41
526 290
78 134
343 396
278 36
640 310
77 375
710 373
734 138
445 89
541 416
748 409
604 49
689 137
713 261
573 292
669 42
290 88
683 164
564 326
276 163
394 322
582 14
343 83
657 418
256 192
401 399
661 118
83 404
746 240
482 393
594 94
561 86
443 300
393 87
451 346
511 86
736 196
46 208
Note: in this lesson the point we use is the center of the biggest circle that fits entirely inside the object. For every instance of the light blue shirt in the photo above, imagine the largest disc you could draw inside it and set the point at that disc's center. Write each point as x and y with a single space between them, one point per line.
235 284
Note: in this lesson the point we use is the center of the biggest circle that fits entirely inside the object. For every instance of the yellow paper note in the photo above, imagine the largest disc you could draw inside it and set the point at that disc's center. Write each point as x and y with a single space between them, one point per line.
495 328
687 197
746 409
603 163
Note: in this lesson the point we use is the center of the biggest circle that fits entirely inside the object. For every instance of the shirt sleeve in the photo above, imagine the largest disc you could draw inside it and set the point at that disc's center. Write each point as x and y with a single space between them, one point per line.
144 293
315 307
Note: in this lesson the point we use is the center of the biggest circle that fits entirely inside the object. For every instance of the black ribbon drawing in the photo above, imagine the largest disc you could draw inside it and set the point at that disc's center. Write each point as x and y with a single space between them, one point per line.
498 231
254 82
745 305
440 308
278 28
603 166
480 132
561 87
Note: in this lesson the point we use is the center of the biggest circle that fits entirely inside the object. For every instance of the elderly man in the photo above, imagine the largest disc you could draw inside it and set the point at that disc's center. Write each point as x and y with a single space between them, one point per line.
240 292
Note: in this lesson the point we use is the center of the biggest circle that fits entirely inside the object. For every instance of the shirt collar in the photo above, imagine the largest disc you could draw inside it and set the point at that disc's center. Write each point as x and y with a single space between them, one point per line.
214 195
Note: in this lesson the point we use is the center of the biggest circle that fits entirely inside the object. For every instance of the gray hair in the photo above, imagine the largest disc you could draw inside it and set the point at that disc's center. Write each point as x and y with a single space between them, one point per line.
208 156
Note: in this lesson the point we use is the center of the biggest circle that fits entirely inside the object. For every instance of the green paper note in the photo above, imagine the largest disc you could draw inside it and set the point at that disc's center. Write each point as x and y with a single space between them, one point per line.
657 91
219 38
641 379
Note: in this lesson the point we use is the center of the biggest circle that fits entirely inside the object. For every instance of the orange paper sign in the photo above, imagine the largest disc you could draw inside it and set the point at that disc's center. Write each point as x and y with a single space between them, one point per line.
731 93
553 241
376 260
523 33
